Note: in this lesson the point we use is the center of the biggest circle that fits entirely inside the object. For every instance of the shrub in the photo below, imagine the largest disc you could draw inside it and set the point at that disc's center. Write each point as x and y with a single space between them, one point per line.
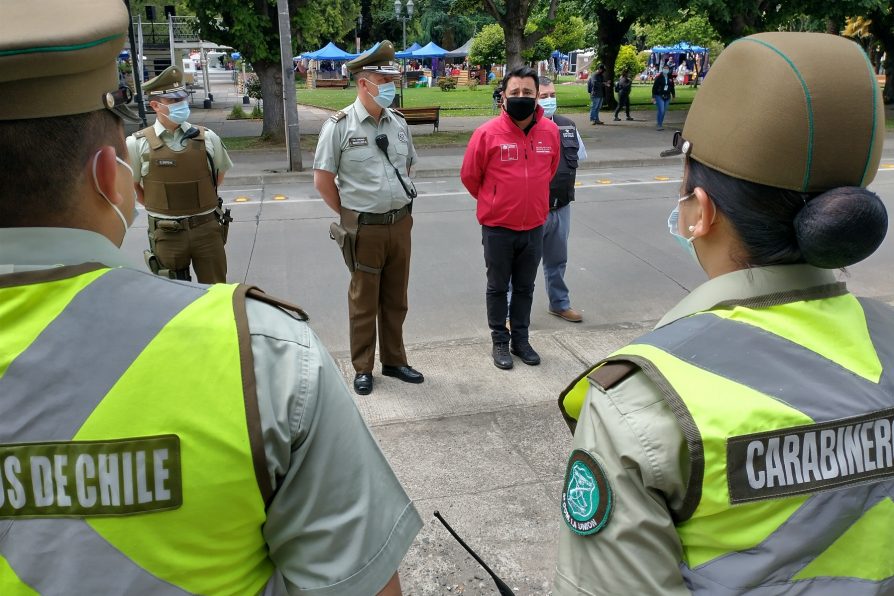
473 83
237 113
253 86
257 112
447 83
629 58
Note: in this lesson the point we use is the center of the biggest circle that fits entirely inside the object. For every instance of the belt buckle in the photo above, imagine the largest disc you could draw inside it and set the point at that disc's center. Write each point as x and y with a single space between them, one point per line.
389 217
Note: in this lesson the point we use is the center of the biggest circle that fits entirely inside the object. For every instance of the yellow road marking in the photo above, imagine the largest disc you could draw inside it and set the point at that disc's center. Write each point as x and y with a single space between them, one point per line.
604 181
279 197
241 199
662 178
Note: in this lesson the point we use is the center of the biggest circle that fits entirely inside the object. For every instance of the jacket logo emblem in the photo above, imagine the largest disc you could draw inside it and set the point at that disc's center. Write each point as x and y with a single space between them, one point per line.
509 152
358 142
541 148
587 496
166 163
568 133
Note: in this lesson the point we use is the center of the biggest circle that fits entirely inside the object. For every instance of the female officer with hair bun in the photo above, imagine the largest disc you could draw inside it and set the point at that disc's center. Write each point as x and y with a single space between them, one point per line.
746 445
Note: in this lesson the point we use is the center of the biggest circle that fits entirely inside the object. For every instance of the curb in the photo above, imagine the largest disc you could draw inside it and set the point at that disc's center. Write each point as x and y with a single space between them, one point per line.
282 177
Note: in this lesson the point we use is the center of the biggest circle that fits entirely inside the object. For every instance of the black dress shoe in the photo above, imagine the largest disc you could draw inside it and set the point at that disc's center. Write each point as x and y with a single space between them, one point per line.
363 383
502 359
526 353
407 374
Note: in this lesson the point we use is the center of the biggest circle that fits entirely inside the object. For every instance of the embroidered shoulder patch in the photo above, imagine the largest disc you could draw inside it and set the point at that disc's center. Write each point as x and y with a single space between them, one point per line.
586 496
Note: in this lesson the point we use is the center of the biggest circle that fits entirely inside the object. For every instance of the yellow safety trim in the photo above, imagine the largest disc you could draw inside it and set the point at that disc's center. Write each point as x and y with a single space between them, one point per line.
573 402
42 302
213 543
721 408
822 326
10 584
864 551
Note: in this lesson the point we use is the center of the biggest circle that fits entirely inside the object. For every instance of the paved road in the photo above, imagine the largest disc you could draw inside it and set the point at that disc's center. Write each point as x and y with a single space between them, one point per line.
487 447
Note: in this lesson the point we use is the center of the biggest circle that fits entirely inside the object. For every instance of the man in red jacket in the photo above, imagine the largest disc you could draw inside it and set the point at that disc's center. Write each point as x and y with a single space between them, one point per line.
507 168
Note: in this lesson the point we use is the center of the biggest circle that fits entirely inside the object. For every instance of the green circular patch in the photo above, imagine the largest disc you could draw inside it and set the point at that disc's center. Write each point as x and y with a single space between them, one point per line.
587 496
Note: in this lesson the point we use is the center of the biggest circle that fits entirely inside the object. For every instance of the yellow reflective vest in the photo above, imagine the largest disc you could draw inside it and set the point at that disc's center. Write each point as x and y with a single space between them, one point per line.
787 407
130 442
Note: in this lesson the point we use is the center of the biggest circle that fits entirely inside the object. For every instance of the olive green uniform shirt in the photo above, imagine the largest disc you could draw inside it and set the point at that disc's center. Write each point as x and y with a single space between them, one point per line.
632 432
340 522
365 179
138 152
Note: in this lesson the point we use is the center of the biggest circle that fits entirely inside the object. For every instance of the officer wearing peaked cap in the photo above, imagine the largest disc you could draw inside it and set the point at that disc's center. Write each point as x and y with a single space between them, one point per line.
180 167
361 169
144 420
746 445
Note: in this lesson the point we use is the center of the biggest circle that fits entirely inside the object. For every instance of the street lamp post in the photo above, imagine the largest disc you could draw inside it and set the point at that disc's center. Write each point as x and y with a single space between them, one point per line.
398 14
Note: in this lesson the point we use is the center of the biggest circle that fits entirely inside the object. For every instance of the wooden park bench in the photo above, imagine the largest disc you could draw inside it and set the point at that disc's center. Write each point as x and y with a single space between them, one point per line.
430 115
332 84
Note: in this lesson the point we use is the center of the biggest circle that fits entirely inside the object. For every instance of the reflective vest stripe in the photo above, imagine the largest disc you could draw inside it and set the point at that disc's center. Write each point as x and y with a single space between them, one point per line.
820 521
77 550
70 379
750 355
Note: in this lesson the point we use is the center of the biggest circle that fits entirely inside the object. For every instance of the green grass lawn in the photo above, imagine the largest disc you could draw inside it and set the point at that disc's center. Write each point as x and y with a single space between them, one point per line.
466 102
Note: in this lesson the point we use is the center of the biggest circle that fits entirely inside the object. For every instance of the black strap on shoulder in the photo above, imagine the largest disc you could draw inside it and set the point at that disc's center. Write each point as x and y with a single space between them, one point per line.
259 294
612 373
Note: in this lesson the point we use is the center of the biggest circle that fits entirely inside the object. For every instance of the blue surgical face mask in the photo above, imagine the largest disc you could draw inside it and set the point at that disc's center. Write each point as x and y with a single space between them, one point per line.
549 106
178 112
673 226
386 94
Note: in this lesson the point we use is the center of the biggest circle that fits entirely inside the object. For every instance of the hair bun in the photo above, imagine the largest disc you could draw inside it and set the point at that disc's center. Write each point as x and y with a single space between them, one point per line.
840 227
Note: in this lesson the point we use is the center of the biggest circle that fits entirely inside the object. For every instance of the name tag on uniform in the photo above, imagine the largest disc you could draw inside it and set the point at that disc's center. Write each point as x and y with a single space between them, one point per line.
166 163
811 458
90 478
401 137
568 133
541 148
358 142
508 152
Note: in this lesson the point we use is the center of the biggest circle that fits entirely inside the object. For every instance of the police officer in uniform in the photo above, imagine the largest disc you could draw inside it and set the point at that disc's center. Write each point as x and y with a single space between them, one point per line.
180 168
746 445
156 436
561 193
361 169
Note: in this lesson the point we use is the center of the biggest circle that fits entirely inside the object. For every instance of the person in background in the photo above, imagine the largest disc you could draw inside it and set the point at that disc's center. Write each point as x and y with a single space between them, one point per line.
561 193
596 87
662 92
623 87
745 445
507 168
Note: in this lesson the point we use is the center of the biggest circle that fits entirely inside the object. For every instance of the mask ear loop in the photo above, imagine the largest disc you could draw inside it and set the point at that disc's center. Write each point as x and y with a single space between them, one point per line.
103 195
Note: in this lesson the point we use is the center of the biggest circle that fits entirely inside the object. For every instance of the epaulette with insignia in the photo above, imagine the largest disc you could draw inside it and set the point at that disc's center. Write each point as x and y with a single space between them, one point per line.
339 115
396 113
258 294
611 373
139 134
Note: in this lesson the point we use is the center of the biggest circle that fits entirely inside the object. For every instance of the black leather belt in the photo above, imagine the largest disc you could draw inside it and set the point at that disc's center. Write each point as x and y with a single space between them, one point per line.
389 217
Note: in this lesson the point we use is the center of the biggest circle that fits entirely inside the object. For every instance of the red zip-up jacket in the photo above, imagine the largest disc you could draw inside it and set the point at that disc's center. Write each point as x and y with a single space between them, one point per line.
509 172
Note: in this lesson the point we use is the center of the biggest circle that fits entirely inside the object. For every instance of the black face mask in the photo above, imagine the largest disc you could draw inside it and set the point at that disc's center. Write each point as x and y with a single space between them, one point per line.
520 108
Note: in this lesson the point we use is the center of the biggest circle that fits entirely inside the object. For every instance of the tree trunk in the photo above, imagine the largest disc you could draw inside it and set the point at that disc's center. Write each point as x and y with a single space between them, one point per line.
514 46
270 75
882 27
610 32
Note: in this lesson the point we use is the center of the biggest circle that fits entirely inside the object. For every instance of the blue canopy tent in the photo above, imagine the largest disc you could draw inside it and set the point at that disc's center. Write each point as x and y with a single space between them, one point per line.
686 50
429 50
557 57
328 52
407 53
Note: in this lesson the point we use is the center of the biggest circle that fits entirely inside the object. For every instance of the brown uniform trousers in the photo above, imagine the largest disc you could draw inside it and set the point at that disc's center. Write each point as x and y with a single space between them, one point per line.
381 297
202 244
